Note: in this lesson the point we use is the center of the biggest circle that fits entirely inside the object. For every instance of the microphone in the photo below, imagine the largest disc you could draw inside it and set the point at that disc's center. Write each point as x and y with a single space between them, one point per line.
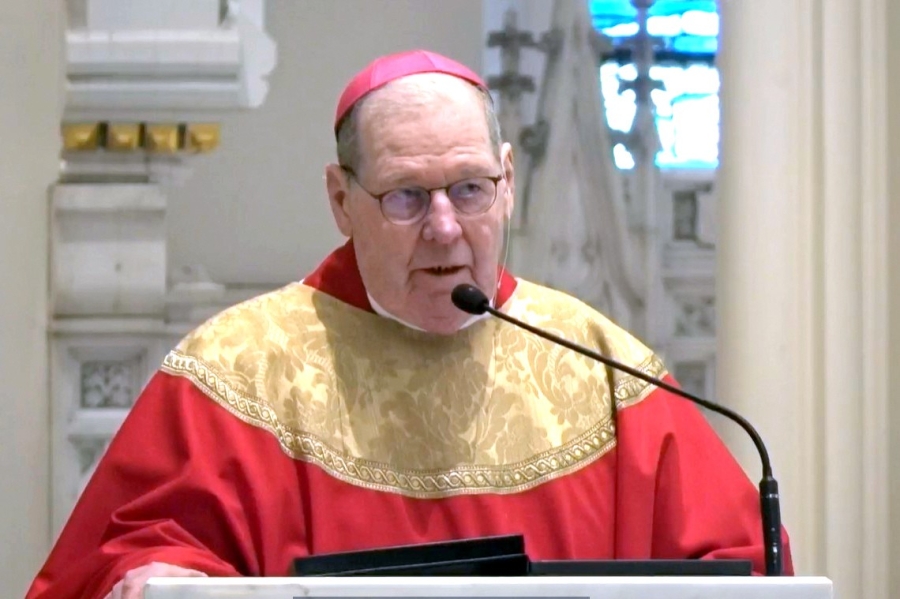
472 300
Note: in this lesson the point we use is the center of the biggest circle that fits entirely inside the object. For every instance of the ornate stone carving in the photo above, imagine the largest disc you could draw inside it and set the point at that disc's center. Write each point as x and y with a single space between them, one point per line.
684 216
695 318
511 83
572 231
533 140
691 209
108 384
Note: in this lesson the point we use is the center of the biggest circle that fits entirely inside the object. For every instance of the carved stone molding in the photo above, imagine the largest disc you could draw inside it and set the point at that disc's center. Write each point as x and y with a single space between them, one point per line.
687 202
94 380
145 59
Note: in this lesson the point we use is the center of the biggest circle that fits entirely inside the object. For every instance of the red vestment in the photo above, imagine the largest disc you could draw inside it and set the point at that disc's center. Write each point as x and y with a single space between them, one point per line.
239 456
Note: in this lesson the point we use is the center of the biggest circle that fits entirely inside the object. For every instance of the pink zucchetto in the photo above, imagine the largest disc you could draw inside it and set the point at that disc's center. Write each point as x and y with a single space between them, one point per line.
383 70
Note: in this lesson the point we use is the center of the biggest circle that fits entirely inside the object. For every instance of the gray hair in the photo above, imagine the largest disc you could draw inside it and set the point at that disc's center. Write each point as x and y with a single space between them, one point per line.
349 153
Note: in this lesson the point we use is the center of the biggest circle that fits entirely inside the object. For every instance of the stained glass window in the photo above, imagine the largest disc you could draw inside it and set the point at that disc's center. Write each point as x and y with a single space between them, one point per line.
687 108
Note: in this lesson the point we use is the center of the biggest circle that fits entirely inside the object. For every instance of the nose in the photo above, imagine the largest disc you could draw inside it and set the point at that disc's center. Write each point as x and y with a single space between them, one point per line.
441 222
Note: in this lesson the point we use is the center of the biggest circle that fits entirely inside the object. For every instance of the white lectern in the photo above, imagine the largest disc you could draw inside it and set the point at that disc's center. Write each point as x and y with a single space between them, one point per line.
680 587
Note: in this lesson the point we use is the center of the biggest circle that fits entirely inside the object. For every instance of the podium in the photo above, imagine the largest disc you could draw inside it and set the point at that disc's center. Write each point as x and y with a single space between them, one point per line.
489 568
545 587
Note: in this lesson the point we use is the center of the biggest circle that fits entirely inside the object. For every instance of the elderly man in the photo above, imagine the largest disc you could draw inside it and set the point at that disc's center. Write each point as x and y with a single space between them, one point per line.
359 408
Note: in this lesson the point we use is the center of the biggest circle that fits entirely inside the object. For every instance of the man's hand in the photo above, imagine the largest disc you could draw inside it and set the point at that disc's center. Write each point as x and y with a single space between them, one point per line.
132 585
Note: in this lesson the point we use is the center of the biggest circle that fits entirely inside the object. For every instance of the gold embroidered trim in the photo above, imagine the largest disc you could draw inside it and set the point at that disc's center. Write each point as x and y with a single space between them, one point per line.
630 390
506 478
300 365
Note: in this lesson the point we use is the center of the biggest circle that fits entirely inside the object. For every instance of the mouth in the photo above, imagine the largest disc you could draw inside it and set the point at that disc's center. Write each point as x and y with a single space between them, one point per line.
443 271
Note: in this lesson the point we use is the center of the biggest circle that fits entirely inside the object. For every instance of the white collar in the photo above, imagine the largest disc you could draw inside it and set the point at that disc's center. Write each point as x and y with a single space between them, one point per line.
382 312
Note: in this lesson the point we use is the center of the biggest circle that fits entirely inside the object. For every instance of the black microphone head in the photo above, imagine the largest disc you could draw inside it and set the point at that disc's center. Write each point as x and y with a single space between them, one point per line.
469 298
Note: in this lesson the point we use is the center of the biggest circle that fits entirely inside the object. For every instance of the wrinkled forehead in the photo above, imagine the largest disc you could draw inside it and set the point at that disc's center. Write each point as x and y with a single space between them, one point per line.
424 111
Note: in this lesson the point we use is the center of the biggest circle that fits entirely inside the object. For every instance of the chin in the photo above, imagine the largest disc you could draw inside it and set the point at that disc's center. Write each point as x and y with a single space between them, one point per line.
445 329
436 312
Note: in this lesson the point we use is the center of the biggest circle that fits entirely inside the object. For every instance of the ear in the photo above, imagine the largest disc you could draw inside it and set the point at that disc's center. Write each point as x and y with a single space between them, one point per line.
337 183
507 162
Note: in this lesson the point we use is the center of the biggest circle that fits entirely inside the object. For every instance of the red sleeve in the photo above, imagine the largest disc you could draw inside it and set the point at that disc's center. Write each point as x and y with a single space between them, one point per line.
184 482
676 476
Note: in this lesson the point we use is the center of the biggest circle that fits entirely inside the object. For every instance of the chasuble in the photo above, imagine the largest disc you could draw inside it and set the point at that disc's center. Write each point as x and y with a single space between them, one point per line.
300 422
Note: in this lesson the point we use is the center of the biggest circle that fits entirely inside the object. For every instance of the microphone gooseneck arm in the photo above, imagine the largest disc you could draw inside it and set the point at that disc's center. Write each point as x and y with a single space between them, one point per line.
472 300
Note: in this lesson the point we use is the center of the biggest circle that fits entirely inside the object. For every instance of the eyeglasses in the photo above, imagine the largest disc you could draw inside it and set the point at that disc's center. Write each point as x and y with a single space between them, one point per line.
409 205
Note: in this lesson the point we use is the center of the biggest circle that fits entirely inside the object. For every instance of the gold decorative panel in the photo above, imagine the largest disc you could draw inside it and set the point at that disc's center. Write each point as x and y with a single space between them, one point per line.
202 137
155 138
123 137
161 138
80 136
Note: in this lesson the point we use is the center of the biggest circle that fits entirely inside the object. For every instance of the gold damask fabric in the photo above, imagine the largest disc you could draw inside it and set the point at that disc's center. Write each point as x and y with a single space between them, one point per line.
491 409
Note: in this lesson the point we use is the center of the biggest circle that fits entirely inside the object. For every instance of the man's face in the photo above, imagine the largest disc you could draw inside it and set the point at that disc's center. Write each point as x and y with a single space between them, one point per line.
435 140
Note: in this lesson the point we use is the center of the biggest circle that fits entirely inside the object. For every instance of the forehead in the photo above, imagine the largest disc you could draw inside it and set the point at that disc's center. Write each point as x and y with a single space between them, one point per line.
425 116
422 91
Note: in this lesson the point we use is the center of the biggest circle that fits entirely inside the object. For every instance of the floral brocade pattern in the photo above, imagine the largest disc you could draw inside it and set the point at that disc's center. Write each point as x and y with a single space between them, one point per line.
492 409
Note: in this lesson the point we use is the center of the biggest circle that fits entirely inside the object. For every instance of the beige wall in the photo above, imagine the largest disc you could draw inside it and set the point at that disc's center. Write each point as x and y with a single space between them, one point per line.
30 108
255 211
894 358
894 282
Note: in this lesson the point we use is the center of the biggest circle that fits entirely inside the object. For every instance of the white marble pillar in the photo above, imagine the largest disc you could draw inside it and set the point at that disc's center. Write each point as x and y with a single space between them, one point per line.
31 66
802 270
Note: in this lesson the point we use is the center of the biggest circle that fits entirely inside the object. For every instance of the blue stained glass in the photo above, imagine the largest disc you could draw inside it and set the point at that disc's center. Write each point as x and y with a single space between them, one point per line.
675 21
701 23
621 30
687 109
624 10
695 45
665 26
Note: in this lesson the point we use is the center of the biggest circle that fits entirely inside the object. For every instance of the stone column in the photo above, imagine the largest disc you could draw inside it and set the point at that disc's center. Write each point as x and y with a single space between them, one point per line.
30 107
139 108
802 270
